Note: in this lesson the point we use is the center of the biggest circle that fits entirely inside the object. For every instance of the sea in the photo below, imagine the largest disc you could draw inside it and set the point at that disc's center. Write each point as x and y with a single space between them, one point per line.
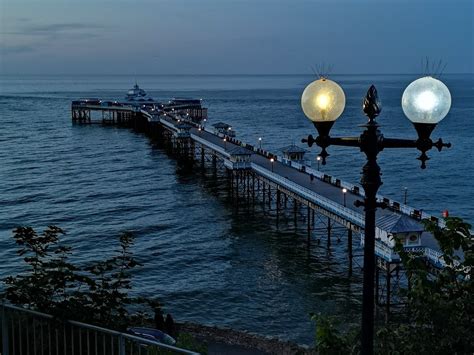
205 260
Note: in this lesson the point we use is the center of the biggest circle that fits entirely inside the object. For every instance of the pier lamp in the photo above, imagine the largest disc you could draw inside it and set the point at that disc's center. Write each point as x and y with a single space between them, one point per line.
272 161
425 102
260 142
344 192
225 143
318 159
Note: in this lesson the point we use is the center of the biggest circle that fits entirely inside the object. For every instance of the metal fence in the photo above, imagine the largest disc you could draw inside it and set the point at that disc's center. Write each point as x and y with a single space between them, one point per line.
28 332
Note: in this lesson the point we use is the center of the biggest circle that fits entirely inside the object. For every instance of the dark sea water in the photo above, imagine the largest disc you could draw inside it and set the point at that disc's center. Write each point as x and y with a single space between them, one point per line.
206 261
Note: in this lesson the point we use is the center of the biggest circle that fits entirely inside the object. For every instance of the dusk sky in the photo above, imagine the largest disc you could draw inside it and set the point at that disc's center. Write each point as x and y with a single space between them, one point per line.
233 37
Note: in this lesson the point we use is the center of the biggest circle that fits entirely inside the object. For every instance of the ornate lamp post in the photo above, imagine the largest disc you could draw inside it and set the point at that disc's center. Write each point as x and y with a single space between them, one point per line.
425 102
272 161
318 159
344 192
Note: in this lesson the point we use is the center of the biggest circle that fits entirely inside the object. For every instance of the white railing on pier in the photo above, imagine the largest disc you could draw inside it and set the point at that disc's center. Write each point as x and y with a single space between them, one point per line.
312 196
100 107
168 124
353 216
210 145
434 256
353 188
146 114
384 251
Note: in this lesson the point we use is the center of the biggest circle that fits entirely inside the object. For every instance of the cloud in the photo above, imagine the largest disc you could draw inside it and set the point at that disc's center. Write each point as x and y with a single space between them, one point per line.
29 37
54 30
59 28
15 49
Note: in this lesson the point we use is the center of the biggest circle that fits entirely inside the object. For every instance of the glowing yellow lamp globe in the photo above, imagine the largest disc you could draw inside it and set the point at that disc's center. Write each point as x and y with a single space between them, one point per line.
426 100
323 100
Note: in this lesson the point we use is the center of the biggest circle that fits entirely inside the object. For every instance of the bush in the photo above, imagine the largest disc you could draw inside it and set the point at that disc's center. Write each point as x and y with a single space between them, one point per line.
439 315
97 293
440 309
330 340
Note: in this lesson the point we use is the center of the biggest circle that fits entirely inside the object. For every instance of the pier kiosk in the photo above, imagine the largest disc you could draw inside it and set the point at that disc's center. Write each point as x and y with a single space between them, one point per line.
393 227
221 128
239 159
293 153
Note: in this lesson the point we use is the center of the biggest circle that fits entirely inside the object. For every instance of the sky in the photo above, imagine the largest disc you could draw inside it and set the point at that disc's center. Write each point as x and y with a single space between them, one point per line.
234 36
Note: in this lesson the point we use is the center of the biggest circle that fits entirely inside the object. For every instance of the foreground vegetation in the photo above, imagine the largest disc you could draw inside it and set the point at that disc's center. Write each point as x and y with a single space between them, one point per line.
437 319
97 293
439 314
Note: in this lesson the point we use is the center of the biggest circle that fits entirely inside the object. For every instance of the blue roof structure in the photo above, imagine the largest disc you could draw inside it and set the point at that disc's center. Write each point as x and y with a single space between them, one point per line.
240 151
398 223
293 149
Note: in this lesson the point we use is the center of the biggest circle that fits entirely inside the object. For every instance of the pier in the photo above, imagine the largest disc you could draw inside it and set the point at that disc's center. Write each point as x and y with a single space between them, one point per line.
282 185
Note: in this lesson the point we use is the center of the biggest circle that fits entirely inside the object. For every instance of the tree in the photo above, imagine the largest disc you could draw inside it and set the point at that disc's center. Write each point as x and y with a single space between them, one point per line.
97 293
438 316
440 306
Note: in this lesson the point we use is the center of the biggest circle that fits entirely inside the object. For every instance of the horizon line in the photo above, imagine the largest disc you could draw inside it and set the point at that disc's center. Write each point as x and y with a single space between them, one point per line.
220 74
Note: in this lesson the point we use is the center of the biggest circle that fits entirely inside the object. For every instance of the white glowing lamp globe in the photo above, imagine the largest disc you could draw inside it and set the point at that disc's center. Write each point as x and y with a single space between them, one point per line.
323 100
426 100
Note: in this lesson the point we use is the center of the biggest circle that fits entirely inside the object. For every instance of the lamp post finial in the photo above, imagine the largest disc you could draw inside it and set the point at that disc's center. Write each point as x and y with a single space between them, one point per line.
372 105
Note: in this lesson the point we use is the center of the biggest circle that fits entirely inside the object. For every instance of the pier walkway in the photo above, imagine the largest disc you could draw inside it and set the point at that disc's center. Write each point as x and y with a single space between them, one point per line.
324 191
283 185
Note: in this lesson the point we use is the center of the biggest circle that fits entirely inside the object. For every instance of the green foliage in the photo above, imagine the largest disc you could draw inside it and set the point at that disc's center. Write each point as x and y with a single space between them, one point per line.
440 310
187 341
330 340
439 315
97 293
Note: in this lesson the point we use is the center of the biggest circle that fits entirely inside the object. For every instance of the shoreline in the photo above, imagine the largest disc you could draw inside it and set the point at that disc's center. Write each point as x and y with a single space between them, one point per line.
233 340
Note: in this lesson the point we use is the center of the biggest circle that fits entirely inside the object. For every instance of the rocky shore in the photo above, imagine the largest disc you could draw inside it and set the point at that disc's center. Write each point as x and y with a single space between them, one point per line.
230 341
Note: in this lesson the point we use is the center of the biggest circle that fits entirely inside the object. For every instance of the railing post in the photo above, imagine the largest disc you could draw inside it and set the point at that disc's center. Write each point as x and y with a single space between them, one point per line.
5 344
121 345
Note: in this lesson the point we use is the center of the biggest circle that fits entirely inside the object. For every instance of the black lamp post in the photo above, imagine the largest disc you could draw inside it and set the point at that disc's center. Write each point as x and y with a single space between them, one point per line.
425 102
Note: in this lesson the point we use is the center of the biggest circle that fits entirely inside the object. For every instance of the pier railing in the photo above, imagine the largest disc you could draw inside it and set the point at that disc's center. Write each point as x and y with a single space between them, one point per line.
353 217
353 188
312 196
210 145
28 332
